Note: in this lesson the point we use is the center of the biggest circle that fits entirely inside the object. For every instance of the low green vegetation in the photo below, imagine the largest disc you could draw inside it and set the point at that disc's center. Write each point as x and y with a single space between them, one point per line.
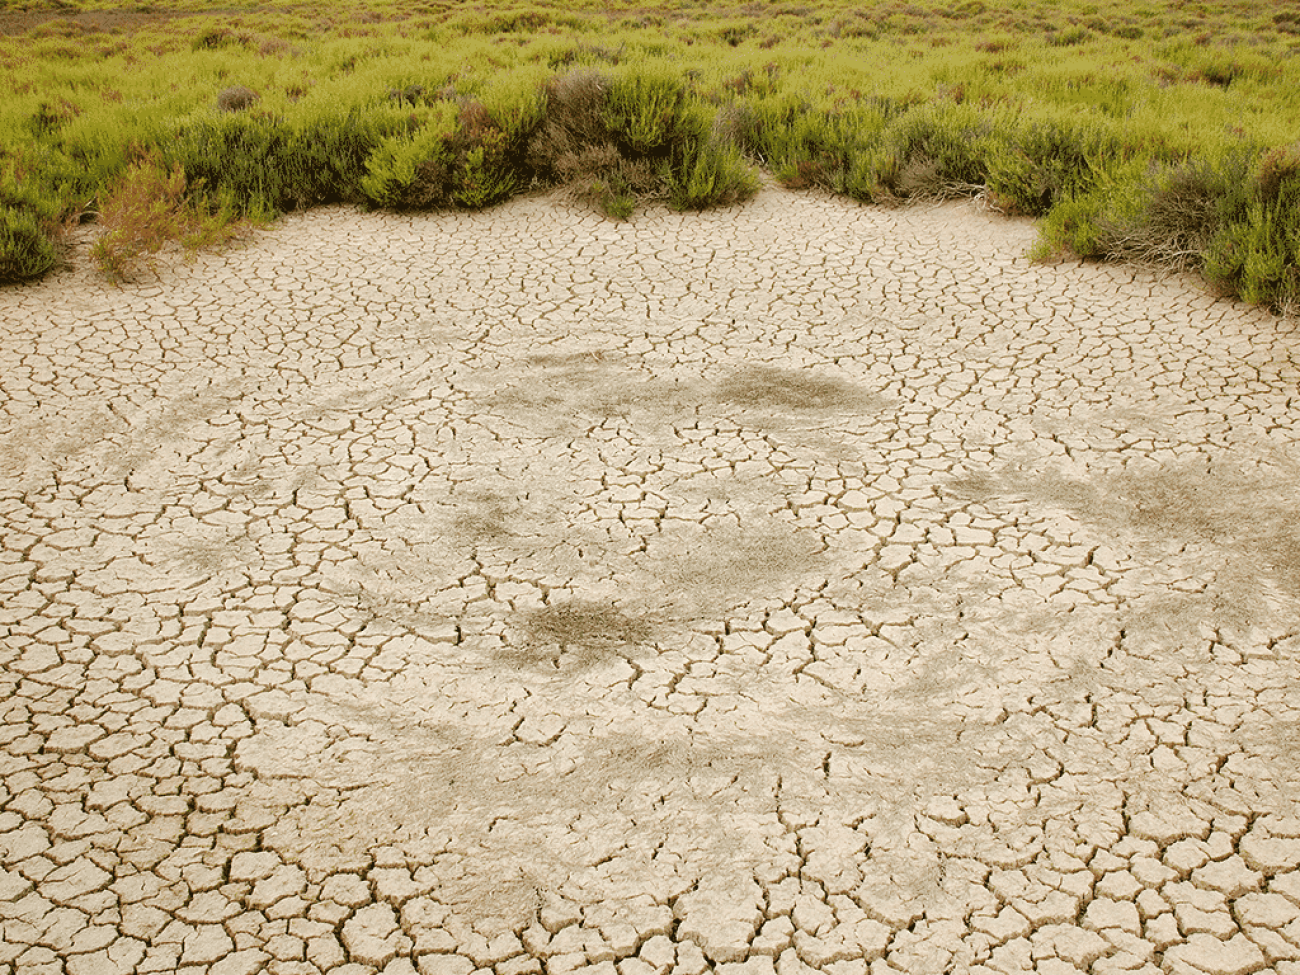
1163 133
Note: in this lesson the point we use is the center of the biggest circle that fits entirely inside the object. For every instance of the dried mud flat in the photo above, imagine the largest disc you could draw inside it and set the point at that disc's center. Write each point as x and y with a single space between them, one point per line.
794 586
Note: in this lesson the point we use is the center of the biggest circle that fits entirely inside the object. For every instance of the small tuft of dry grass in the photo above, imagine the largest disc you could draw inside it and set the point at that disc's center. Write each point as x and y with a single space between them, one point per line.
237 98
149 208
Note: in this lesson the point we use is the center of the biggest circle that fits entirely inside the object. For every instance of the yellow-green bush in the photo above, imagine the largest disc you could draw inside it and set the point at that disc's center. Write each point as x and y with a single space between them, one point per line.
940 150
1256 252
643 107
1042 161
707 171
26 247
410 169
1255 257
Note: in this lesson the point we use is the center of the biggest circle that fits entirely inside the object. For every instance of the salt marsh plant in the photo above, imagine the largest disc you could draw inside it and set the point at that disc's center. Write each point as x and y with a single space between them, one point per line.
151 206
237 98
706 170
1043 161
409 169
27 247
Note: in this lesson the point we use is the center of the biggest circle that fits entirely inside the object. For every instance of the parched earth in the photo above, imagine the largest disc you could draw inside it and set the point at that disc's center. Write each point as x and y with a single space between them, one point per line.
794 586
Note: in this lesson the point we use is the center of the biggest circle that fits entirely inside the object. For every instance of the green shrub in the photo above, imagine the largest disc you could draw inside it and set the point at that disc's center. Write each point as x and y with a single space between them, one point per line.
26 249
1233 219
838 149
636 135
1071 37
35 180
328 154
516 107
490 144
484 169
94 150
217 38
1184 208
411 170
51 116
1045 160
1258 256
460 155
261 162
1166 216
705 170
615 196
939 150
643 107
1278 176
1077 220
801 145
483 178
242 154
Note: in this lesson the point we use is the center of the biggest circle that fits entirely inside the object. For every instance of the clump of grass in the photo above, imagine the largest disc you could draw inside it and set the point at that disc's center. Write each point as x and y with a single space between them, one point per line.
148 208
458 151
1256 257
327 153
409 170
1043 161
237 98
27 250
706 170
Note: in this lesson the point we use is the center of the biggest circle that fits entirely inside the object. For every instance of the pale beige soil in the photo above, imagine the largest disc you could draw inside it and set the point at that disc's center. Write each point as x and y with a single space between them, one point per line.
798 585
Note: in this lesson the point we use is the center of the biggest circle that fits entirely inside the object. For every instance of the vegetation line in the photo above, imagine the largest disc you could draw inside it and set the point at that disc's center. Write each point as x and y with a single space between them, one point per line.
1162 133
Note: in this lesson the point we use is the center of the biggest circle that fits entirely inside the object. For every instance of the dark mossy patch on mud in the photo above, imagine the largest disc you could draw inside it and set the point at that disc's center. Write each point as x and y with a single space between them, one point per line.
771 388
577 634
581 623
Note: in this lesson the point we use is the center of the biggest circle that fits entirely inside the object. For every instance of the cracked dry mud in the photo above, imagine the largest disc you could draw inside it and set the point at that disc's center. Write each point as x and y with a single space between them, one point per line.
795 586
